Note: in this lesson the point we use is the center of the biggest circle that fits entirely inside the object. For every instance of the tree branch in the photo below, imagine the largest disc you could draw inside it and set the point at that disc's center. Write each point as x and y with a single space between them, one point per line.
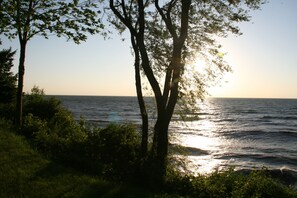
122 18
166 18
177 64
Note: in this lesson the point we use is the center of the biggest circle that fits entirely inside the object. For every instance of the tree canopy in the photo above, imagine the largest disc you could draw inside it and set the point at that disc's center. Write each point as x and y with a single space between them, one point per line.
7 78
24 19
71 19
169 36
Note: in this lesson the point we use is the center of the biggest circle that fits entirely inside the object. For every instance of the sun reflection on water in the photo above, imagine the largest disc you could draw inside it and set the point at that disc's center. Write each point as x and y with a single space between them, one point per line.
202 135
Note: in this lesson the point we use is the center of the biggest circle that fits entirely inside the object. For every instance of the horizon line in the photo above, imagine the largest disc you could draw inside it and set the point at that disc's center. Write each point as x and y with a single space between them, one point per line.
207 97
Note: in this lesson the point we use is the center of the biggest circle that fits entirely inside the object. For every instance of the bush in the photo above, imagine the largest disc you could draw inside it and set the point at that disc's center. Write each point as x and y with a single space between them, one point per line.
117 148
112 151
228 183
37 104
260 184
7 111
32 125
63 140
52 128
7 78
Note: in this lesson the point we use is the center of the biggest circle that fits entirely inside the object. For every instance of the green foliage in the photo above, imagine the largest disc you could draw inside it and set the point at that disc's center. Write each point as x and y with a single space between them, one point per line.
26 173
33 124
7 84
112 152
63 140
25 19
7 78
37 104
167 38
119 149
228 183
40 110
72 19
7 111
52 128
260 184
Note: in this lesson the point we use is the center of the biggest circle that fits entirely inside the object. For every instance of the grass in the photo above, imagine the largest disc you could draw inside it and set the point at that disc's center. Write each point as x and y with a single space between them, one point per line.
25 173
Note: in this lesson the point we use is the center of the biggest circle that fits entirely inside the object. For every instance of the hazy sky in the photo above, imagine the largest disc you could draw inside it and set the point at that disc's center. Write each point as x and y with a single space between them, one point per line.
264 60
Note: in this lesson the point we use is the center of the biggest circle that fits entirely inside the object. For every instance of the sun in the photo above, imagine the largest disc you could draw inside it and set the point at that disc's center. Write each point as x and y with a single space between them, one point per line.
200 65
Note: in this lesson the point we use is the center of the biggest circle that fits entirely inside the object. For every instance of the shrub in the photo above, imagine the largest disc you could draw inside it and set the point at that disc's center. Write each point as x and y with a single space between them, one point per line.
52 128
63 140
37 104
118 146
228 183
260 184
33 124
7 111
7 78
111 152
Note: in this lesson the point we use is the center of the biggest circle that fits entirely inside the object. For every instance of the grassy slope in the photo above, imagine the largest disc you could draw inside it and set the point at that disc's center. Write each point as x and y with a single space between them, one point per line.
25 173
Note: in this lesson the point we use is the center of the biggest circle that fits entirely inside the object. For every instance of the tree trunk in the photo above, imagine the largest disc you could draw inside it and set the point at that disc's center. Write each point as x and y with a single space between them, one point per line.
144 116
143 112
169 99
159 150
21 73
162 147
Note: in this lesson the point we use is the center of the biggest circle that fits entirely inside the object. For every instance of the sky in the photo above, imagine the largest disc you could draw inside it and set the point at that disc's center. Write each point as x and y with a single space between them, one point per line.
263 59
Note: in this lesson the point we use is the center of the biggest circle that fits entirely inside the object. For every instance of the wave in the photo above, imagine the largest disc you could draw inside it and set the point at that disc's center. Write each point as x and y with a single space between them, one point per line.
243 111
241 134
289 133
280 117
262 157
266 129
188 151
254 134
226 120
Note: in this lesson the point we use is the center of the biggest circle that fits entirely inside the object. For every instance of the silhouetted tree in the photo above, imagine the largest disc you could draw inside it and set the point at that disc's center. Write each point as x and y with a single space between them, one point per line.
140 98
7 78
168 36
26 18
131 22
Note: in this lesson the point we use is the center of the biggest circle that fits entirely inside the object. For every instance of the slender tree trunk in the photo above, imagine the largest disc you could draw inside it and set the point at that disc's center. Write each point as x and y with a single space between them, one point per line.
21 73
136 37
169 98
144 116
143 112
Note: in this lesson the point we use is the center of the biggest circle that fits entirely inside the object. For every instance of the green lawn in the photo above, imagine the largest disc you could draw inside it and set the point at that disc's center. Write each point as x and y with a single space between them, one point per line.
25 173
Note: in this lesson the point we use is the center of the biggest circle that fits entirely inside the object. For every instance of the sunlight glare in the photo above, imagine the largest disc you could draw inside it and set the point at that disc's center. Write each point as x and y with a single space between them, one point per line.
200 66
204 141
207 140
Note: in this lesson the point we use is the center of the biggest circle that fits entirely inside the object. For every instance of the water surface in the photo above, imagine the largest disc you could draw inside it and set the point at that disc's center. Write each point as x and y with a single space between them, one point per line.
246 133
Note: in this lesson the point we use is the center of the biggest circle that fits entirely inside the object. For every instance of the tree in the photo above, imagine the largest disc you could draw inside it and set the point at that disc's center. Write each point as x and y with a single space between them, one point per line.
131 22
168 37
27 18
7 78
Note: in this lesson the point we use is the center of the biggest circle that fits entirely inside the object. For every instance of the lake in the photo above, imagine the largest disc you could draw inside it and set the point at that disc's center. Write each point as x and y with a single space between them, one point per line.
245 133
